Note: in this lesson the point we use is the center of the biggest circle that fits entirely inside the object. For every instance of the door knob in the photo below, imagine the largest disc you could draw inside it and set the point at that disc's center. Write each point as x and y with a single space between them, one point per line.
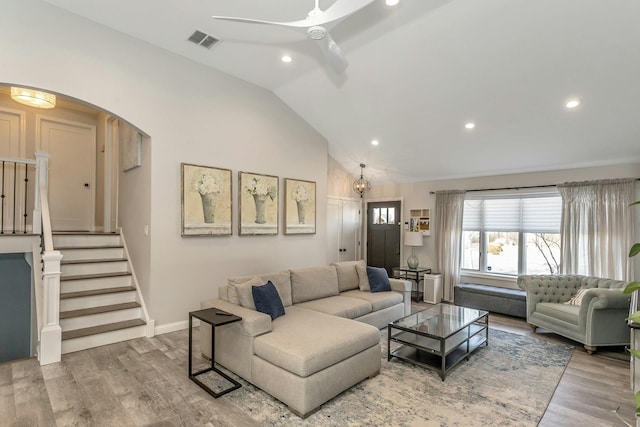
86 184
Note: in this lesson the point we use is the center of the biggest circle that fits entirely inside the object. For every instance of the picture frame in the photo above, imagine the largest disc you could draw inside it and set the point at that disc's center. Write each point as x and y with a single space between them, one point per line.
299 206
258 204
206 200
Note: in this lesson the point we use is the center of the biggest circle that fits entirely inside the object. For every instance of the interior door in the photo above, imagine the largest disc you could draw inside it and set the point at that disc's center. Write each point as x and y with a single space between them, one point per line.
383 235
72 163
11 146
343 230
350 244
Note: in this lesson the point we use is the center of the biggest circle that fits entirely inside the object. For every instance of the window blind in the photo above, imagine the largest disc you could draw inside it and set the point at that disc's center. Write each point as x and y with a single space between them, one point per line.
527 213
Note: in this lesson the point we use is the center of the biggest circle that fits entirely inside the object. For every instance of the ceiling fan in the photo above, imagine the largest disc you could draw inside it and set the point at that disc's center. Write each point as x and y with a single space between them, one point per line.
314 25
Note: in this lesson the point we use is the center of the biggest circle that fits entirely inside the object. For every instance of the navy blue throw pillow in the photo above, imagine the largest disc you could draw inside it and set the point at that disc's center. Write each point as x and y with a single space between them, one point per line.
267 300
378 279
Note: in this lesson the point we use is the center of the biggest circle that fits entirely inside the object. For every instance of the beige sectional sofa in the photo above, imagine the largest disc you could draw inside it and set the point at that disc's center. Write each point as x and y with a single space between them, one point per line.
327 341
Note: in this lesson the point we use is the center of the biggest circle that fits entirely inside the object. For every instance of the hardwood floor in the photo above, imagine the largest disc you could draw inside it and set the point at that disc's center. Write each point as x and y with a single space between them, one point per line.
143 382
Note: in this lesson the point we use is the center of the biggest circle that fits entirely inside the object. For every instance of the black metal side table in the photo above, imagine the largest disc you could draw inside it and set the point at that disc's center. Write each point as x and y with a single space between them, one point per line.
413 274
213 317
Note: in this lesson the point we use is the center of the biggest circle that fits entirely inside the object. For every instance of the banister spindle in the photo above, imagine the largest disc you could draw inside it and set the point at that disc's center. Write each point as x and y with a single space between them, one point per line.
2 197
15 186
26 183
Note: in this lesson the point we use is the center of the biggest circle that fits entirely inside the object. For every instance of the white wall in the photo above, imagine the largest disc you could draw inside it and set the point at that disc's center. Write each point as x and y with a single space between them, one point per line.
340 181
192 114
416 196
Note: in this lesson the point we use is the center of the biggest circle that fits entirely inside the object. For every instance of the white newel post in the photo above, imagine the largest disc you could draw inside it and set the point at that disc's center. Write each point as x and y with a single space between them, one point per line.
42 181
51 334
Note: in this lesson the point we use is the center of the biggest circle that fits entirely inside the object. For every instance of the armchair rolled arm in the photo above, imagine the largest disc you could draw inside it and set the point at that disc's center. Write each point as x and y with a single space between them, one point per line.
400 285
600 299
253 322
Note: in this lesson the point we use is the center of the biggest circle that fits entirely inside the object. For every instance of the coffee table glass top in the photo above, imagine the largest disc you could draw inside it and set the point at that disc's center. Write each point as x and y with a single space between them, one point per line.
440 321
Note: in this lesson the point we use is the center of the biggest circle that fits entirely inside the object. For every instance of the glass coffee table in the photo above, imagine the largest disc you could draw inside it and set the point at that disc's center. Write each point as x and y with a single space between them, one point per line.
439 337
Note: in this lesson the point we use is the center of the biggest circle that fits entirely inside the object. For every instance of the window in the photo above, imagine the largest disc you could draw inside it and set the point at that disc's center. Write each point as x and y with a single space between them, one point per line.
512 234
384 215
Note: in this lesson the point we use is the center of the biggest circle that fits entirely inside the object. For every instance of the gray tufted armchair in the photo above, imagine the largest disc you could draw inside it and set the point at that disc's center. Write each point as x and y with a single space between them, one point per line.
598 321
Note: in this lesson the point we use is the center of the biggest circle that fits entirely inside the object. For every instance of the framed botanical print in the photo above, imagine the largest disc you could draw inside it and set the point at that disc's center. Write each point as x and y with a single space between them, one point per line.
258 203
299 206
206 200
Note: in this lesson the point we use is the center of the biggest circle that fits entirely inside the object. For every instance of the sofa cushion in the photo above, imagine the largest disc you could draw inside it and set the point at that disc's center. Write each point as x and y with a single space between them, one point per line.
267 300
313 283
567 313
378 300
347 274
242 292
363 279
342 306
280 279
305 341
378 279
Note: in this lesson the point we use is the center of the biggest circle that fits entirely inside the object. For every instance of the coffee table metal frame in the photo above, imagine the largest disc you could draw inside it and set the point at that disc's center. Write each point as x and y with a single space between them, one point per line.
439 337
213 317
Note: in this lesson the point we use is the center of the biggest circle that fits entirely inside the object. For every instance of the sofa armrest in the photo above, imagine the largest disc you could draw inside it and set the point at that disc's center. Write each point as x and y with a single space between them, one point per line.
400 285
404 287
601 299
253 322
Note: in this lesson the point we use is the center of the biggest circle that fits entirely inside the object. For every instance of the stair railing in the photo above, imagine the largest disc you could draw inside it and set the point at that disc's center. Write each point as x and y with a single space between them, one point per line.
48 306
14 189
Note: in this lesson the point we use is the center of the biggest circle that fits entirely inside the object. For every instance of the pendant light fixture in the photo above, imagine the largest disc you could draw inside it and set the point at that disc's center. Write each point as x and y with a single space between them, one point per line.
33 98
361 185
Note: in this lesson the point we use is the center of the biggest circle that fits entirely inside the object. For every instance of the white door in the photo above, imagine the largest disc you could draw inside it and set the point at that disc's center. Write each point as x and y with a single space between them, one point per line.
343 230
12 146
72 160
350 231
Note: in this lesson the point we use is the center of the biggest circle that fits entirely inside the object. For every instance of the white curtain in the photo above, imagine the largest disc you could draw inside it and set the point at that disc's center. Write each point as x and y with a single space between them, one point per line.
596 229
448 235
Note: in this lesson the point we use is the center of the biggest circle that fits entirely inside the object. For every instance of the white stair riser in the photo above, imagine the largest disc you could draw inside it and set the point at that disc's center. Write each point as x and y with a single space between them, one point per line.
77 344
86 240
91 284
102 253
94 268
99 319
97 300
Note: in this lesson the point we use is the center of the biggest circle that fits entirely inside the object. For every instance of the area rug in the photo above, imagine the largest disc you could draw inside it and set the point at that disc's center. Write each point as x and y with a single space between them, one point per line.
508 383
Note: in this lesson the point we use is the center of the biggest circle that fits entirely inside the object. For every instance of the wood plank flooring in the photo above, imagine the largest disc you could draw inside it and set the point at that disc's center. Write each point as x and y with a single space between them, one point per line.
143 382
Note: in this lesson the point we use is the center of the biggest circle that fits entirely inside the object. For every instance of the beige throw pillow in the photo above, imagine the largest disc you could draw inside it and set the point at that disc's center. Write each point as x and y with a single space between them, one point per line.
363 279
577 298
242 292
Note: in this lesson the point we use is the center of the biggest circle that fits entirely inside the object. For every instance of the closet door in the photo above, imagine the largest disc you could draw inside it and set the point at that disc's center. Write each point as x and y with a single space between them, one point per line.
343 229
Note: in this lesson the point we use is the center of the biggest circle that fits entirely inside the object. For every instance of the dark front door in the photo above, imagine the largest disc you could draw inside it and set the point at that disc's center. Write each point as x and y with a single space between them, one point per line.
383 235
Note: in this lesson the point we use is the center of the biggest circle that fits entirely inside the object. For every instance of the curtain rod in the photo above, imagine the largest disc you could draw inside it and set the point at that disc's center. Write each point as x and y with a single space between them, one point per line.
513 188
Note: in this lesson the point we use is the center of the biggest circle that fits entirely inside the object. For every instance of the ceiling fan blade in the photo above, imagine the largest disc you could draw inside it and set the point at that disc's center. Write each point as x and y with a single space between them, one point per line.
333 54
294 24
339 10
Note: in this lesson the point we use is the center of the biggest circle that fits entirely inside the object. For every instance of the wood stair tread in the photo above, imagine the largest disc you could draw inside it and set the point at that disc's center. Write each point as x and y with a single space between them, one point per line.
68 248
95 276
109 327
91 261
84 233
92 292
98 310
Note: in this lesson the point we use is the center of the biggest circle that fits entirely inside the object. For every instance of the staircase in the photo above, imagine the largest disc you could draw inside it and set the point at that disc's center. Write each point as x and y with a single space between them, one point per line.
99 301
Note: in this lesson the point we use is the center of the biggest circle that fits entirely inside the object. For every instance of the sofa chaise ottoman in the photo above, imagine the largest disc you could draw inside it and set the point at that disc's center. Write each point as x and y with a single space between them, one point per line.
327 341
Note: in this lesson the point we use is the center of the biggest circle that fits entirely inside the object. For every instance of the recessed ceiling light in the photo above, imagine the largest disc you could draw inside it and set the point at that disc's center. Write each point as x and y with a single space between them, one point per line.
392 2
573 103
470 125
375 142
286 59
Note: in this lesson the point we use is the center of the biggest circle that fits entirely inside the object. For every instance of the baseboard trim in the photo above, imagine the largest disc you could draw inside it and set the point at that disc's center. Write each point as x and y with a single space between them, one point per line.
175 326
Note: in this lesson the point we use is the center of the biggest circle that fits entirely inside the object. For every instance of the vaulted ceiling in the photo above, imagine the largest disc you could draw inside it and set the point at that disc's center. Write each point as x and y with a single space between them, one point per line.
420 70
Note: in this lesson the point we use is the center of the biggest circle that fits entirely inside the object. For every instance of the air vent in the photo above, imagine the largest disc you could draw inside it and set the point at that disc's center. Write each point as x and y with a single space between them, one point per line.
203 39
